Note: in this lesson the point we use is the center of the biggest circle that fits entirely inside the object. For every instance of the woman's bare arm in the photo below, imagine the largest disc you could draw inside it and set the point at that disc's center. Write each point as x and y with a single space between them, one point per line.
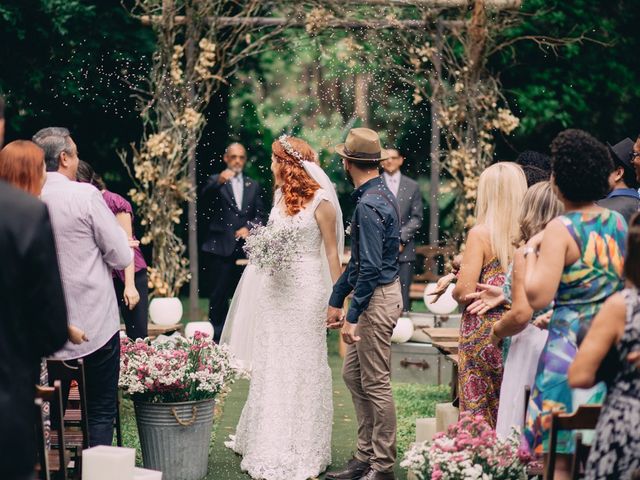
471 265
518 317
543 270
326 217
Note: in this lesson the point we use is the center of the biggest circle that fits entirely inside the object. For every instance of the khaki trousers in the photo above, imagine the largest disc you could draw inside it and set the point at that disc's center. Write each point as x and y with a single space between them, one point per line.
366 372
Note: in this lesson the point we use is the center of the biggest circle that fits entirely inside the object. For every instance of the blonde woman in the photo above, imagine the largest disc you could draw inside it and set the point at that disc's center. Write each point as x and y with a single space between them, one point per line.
489 251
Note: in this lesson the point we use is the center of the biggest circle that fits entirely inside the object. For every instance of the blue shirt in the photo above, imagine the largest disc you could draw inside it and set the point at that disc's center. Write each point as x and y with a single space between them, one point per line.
375 246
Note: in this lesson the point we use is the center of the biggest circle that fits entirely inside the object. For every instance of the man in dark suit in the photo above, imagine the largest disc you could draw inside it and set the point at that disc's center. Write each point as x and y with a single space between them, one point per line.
33 322
407 192
624 197
235 204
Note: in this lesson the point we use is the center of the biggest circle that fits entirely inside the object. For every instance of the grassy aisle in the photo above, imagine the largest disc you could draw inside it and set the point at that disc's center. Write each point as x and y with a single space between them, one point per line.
412 401
225 465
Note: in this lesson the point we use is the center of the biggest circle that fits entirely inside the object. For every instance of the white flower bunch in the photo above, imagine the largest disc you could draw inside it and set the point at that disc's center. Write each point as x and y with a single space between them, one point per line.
272 248
177 370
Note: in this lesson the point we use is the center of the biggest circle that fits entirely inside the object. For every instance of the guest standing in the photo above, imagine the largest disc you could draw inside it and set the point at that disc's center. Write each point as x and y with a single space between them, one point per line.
489 251
526 341
89 243
33 315
131 284
536 166
623 197
235 204
409 197
577 263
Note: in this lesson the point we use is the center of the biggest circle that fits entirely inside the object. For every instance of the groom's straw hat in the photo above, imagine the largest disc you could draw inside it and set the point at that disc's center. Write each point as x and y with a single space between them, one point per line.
362 145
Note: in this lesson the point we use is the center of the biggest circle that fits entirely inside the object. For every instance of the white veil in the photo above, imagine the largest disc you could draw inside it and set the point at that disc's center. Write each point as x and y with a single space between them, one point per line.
239 327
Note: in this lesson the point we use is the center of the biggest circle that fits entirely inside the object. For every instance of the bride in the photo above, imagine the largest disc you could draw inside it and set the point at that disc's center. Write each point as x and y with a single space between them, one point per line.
276 328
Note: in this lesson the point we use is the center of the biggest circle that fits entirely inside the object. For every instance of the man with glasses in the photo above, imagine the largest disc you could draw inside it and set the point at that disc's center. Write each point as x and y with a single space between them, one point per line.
90 244
234 203
624 197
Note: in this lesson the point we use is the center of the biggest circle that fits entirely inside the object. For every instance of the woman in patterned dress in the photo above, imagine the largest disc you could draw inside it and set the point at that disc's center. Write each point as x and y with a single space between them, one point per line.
615 455
489 250
576 262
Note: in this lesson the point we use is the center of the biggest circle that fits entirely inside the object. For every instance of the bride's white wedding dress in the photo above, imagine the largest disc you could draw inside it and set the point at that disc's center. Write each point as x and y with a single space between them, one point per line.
284 432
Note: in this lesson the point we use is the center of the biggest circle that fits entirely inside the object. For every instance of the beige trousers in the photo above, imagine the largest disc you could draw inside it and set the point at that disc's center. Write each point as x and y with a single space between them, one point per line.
366 372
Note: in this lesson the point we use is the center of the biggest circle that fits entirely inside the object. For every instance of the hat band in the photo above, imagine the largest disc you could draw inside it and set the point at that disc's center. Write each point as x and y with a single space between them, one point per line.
362 155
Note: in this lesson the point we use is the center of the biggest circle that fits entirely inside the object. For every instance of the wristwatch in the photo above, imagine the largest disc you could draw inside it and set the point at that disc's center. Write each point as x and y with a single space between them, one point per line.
528 250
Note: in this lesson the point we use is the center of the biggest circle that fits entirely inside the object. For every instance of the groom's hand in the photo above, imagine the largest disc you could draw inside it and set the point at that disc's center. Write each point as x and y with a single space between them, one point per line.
335 318
349 333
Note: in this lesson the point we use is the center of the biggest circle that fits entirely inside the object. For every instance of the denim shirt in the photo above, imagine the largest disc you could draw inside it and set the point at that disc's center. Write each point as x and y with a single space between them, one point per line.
375 247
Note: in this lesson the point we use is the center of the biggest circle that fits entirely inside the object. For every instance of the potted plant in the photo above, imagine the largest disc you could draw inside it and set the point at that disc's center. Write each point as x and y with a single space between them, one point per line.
468 450
173 383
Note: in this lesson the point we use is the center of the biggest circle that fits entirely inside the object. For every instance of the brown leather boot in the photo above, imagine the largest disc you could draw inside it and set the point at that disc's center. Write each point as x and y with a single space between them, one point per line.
375 475
354 470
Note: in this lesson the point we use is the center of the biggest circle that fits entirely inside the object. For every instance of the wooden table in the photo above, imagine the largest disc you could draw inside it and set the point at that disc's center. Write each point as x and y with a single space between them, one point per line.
442 334
446 347
154 330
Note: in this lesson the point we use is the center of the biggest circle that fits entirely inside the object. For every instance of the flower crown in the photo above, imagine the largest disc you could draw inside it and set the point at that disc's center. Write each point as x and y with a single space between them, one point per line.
289 148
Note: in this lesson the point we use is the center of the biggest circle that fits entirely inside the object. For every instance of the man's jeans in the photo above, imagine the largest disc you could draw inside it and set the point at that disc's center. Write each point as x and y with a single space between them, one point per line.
102 371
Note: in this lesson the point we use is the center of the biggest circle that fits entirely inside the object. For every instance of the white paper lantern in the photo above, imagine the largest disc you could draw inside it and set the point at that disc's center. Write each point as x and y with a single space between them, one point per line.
403 331
445 304
165 311
193 327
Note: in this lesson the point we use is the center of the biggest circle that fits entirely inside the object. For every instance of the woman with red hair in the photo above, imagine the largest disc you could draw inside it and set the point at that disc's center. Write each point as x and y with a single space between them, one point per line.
22 165
276 324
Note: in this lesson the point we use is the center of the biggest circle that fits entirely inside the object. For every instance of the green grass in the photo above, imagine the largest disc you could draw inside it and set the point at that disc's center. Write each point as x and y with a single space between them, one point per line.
412 401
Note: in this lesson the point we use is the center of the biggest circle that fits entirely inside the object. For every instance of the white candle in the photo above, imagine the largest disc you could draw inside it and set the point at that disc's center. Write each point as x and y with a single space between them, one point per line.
425 429
446 414
108 463
144 474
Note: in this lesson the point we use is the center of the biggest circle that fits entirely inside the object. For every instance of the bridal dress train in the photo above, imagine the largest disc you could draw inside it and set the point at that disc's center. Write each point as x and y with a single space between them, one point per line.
284 431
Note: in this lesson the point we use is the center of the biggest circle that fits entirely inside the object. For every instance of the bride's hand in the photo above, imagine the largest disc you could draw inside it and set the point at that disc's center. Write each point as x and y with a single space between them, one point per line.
335 318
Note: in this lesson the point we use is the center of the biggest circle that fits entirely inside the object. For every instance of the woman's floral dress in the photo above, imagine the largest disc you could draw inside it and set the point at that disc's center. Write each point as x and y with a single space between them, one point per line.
480 363
584 286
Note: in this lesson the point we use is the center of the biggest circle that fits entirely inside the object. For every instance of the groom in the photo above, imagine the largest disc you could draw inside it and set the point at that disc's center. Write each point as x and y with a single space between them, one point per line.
372 275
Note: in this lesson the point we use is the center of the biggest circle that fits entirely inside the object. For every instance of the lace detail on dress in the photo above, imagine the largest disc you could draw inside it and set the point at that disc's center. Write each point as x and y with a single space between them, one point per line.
284 431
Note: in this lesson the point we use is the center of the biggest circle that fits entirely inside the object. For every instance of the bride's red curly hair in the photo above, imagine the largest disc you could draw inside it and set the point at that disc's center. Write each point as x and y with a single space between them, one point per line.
297 186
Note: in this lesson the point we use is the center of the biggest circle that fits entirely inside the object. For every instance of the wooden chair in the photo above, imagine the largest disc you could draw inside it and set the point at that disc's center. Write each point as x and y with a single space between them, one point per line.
42 466
57 458
585 418
74 399
433 256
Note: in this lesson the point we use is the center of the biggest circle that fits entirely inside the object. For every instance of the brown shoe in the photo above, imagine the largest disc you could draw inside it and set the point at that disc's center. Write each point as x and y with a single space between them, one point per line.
354 470
375 475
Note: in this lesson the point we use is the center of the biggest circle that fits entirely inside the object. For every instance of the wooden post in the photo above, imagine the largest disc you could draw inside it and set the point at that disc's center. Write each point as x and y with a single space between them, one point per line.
192 208
434 210
362 97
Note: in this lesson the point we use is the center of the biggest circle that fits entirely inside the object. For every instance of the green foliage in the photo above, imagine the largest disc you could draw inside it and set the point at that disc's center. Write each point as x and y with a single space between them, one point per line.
415 401
594 85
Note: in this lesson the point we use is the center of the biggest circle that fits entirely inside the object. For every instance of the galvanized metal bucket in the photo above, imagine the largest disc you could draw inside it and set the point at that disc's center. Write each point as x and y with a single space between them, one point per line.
175 437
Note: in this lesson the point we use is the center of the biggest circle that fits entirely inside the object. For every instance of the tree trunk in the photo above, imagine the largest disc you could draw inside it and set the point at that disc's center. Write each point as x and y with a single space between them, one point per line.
362 97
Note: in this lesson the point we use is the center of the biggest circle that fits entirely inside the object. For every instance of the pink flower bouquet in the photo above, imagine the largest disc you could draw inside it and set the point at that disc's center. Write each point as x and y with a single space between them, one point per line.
177 370
469 450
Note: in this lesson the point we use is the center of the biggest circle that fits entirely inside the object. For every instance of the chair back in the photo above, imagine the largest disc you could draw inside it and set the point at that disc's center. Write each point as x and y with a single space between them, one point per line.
42 467
584 418
434 257
66 372
53 395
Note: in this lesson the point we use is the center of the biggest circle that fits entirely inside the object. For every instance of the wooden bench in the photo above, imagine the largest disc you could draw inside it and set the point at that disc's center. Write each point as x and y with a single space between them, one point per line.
433 257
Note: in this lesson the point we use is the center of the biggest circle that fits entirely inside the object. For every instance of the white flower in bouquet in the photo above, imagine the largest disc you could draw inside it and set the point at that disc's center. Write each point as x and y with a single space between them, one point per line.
272 248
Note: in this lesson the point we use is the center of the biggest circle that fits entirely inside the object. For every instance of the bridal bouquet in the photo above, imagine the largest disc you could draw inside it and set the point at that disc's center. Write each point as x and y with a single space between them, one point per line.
272 248
469 450
175 370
